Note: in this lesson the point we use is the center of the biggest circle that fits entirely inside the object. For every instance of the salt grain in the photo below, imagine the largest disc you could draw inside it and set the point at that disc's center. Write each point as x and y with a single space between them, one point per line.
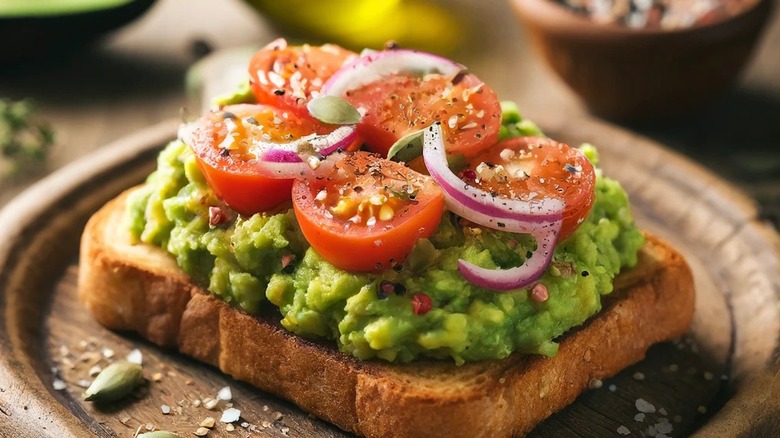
84 383
230 428
208 422
639 376
643 405
662 411
623 430
613 388
664 426
108 353
202 431
149 426
196 403
165 409
58 385
209 403
135 357
225 394
230 415
640 417
277 416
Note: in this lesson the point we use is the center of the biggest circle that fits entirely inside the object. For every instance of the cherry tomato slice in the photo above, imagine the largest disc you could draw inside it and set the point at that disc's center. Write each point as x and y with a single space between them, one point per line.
368 213
531 167
288 76
396 105
221 140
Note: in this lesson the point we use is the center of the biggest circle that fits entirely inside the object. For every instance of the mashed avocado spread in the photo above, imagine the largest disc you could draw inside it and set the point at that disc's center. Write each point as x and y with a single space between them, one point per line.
264 258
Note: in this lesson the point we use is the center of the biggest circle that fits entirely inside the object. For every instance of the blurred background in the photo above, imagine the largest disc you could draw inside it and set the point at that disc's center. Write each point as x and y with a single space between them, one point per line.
99 70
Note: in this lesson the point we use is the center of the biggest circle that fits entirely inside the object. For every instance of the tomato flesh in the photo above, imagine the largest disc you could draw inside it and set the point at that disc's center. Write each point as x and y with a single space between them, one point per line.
533 168
396 105
221 142
368 213
289 76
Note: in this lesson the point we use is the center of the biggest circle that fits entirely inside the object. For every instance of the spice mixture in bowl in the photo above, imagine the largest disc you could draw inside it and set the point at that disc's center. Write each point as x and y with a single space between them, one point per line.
644 59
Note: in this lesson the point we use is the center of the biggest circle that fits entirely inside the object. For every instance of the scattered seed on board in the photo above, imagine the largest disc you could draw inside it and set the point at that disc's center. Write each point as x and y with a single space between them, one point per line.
201 431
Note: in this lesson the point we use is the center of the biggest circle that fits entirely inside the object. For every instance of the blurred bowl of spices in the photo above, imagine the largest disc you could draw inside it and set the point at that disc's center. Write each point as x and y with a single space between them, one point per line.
36 30
644 59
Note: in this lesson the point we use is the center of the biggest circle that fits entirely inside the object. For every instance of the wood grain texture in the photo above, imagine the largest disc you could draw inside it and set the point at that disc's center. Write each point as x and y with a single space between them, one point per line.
734 257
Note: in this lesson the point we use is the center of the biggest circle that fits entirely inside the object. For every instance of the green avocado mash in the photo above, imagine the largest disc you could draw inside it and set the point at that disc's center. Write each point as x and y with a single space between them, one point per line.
264 257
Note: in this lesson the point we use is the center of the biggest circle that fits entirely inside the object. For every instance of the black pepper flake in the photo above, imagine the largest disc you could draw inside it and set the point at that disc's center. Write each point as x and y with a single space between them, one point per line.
585 273
224 152
459 77
279 92
252 121
228 115
392 45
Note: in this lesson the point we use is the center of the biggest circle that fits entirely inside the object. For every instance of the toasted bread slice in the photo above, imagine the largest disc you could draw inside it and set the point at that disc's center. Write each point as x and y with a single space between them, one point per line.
140 288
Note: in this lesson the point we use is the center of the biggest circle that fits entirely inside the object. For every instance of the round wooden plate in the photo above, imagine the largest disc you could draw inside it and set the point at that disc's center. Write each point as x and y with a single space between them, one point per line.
49 343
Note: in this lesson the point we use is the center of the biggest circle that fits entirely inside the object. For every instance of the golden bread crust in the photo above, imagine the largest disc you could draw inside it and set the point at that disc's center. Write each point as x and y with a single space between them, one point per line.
140 288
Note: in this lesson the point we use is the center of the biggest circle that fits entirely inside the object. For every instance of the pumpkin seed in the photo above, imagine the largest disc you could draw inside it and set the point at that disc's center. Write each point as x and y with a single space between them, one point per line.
159 434
407 148
333 110
115 382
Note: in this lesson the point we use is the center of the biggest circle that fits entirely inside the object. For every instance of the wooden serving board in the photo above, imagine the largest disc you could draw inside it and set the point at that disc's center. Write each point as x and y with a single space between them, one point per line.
48 339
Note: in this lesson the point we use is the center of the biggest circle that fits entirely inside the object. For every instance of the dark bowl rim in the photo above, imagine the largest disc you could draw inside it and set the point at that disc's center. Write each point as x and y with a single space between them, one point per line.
77 13
550 11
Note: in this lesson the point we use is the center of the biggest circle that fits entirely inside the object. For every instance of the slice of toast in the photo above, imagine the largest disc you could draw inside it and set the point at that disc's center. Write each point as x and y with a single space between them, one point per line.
140 288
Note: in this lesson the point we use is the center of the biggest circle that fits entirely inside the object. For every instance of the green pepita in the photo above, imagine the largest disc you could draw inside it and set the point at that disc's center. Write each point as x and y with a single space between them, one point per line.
115 382
407 148
333 110
159 434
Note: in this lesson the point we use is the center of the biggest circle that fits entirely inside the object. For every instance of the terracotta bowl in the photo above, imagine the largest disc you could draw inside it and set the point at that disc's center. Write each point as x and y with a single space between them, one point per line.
627 73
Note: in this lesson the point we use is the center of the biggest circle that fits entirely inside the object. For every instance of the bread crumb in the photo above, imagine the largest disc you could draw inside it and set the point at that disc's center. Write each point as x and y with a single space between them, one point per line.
595 384
623 430
208 422
230 427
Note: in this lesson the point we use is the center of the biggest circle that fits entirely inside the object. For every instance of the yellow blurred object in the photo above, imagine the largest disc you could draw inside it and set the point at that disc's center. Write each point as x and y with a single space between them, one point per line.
358 24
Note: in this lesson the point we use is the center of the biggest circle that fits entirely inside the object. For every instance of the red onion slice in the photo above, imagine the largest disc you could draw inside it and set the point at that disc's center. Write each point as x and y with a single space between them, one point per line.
521 276
542 219
372 66
302 156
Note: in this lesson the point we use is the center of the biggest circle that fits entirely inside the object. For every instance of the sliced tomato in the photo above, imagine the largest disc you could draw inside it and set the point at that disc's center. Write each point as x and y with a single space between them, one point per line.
287 76
531 167
396 105
368 213
221 140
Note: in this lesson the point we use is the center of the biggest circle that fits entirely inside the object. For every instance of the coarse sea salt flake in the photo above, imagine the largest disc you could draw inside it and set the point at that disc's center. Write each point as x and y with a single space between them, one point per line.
225 394
230 415
643 405
623 430
135 357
